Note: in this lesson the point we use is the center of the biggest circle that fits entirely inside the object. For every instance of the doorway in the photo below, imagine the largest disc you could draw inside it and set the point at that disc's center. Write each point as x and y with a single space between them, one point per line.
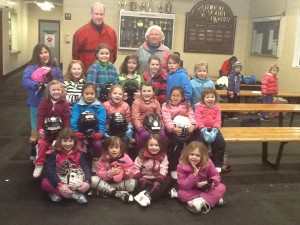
49 34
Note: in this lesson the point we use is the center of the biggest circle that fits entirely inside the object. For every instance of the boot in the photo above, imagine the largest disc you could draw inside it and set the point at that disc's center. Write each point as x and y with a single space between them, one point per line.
125 185
102 187
124 196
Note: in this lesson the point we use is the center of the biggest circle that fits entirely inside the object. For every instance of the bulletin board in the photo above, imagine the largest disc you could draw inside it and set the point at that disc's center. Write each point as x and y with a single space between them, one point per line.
265 36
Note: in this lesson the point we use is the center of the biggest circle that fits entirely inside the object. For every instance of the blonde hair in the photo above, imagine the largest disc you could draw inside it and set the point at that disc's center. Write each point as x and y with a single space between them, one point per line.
47 95
207 91
200 64
274 66
184 158
68 76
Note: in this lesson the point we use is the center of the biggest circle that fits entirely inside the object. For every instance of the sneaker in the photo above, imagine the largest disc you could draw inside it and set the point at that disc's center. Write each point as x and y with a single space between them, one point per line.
200 203
267 119
233 118
37 171
79 197
124 196
54 197
173 193
174 175
142 199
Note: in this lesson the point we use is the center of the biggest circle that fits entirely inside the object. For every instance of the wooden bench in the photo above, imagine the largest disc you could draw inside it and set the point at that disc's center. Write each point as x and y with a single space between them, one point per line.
247 107
283 135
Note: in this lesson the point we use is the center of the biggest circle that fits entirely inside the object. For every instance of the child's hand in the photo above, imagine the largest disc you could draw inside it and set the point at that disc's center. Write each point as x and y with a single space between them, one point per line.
115 171
201 184
84 187
65 191
231 94
42 133
196 170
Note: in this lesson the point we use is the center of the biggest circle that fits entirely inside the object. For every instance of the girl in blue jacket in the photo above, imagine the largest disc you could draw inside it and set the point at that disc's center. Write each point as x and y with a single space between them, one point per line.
41 58
88 119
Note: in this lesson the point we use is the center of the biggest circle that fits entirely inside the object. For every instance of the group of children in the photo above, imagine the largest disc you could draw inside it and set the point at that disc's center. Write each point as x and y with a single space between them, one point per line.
169 119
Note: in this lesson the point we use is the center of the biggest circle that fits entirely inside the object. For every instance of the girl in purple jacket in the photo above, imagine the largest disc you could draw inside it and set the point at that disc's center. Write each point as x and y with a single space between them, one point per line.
199 183
208 119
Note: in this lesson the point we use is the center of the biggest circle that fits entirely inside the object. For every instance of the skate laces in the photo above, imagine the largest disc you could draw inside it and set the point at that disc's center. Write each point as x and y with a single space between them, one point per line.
206 206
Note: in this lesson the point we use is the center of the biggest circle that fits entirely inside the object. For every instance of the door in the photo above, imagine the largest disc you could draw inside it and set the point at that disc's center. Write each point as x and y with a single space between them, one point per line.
49 34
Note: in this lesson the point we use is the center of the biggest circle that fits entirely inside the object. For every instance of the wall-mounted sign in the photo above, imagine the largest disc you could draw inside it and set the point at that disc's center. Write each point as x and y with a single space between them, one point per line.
210 28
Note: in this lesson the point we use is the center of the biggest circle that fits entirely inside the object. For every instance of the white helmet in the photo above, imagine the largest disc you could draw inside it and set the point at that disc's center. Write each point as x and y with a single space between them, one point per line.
181 121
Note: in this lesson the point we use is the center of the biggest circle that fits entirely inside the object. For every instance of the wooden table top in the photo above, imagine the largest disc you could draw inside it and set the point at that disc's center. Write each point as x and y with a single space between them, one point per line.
261 134
246 93
243 107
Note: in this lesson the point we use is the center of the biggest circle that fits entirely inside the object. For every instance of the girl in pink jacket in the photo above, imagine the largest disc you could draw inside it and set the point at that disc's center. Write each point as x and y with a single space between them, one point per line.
269 88
121 126
199 183
115 171
208 119
180 124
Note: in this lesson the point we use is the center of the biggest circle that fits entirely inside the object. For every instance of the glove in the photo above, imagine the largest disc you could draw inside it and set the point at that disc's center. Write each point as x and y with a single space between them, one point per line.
97 135
206 135
207 187
213 134
80 135
42 133
84 187
65 191
40 87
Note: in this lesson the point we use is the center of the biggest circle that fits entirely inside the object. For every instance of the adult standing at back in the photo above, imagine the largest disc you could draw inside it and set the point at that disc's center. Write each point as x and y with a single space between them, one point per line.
87 38
227 66
153 46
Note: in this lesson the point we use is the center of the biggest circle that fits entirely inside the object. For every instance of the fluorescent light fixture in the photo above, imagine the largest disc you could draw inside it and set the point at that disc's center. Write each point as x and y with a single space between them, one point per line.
46 6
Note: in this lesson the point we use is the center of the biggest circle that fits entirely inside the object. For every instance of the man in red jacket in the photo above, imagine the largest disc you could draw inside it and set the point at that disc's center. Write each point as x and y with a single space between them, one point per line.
87 38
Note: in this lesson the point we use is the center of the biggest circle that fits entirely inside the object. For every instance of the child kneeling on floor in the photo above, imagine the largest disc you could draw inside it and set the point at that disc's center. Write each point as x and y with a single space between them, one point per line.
114 171
67 173
199 183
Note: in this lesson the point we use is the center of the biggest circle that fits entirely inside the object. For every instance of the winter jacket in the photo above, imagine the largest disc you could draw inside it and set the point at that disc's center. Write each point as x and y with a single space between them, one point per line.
151 166
188 181
87 39
101 73
121 107
95 108
159 80
198 86
226 67
207 117
143 53
140 108
56 161
269 84
34 100
179 78
234 82
73 90
48 109
137 78
124 162
170 111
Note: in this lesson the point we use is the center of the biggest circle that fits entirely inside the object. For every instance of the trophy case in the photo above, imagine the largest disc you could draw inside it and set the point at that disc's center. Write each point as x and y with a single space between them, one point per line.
133 26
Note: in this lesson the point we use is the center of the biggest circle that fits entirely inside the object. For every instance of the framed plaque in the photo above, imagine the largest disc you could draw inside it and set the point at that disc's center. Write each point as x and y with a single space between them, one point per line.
210 28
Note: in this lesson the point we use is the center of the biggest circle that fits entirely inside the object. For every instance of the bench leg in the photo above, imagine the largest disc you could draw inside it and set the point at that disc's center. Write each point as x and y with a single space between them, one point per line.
265 155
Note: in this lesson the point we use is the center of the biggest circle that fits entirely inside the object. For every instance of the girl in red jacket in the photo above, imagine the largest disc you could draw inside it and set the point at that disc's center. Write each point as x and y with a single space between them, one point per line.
53 108
269 88
208 119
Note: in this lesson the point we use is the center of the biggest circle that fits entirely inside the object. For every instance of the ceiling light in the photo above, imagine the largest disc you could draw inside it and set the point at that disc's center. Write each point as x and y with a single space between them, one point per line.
46 6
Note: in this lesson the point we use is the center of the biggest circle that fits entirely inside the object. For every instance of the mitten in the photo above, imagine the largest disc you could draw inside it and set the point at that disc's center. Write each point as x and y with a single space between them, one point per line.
207 187
80 135
40 87
42 133
206 135
97 135
65 190
84 187
213 134
117 178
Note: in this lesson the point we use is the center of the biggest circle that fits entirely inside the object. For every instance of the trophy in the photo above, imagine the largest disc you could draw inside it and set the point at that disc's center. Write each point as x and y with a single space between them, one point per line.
132 6
161 7
122 4
143 6
169 7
